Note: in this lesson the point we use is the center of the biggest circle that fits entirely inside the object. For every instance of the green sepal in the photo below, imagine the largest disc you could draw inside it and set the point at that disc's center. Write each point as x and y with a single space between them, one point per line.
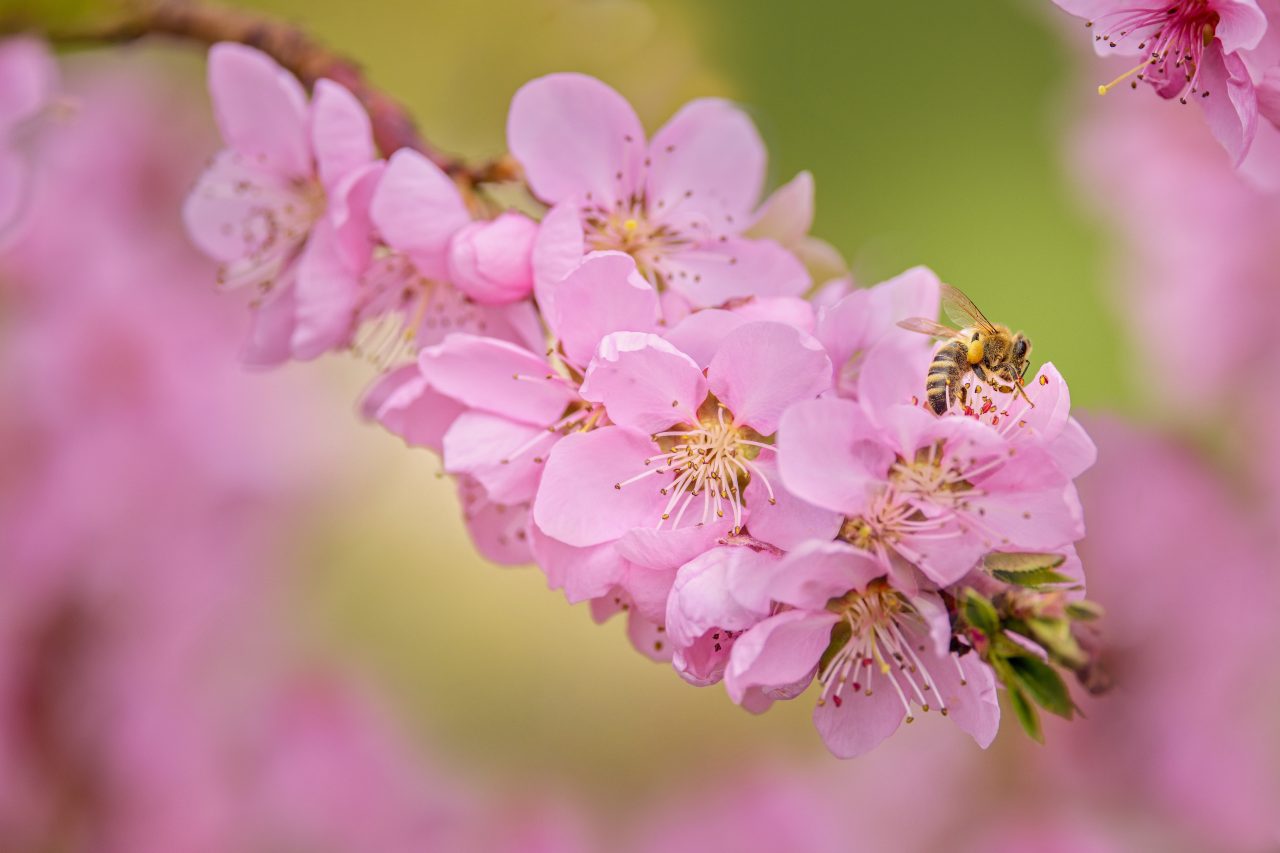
1056 638
1043 684
1027 569
1026 713
980 613
1085 611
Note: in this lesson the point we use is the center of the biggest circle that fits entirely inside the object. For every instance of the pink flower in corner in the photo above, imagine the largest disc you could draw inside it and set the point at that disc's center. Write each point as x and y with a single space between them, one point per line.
27 80
1216 52
876 652
275 207
679 204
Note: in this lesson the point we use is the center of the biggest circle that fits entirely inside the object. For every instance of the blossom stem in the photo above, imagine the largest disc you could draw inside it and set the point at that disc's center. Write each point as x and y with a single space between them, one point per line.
292 47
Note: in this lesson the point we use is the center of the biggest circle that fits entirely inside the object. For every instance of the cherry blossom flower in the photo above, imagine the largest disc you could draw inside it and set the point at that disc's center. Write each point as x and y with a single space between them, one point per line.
1215 52
274 208
937 493
679 204
679 440
876 652
28 78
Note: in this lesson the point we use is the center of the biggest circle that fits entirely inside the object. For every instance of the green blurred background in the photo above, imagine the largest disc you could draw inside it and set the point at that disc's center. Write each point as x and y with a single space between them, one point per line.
934 132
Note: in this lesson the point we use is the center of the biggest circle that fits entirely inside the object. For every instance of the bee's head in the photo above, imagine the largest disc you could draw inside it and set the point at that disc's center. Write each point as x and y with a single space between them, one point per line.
1021 346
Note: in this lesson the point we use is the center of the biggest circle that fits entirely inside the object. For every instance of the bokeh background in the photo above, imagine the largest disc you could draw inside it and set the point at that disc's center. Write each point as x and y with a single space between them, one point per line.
945 134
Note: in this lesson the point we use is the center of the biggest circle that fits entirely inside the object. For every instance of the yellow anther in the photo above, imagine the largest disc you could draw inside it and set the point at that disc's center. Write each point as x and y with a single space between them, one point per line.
631 225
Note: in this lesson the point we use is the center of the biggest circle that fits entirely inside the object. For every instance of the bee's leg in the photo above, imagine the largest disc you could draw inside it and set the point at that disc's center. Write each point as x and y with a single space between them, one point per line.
1009 372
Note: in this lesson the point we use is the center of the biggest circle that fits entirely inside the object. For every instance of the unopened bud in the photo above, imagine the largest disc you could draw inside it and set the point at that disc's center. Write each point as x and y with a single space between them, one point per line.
491 261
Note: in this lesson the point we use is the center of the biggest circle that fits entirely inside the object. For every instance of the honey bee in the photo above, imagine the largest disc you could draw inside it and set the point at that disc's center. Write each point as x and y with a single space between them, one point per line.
994 354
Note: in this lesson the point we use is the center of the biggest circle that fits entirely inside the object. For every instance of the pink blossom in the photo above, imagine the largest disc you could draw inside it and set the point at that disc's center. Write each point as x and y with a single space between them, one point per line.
1217 52
492 261
699 436
710 605
935 492
28 78
679 204
876 652
278 208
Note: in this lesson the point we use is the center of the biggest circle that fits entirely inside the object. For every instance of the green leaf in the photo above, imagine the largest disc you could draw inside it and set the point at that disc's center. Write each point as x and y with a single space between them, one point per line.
1032 577
1026 713
1084 611
1044 685
980 613
1056 638
1025 569
1007 561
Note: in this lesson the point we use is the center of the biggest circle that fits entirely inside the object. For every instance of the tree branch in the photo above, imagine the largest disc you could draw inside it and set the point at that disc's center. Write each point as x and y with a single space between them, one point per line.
307 58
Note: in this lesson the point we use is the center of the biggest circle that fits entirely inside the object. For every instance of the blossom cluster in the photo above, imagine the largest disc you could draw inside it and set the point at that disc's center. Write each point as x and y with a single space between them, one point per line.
637 386
1221 54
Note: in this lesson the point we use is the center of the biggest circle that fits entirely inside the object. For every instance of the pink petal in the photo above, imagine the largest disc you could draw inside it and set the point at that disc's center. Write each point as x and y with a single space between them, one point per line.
407 406
28 76
1031 521
484 373
829 455
504 456
417 209
325 295
583 573
348 211
787 215
700 334
648 588
944 554
714 273
499 533
1268 94
816 572
491 261
576 139
1241 24
340 132
972 706
670 549
780 650
557 251
648 637
763 368
789 520
604 294
788 310
708 157
644 382
858 723
702 598
578 503
261 109
271 328
1231 109
14 185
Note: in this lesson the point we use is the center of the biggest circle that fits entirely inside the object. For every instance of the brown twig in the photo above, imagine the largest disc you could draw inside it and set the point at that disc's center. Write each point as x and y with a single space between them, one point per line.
307 58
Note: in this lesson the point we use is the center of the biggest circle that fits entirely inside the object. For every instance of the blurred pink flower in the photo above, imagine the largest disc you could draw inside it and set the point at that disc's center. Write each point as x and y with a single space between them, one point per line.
1215 51
275 208
678 204
28 79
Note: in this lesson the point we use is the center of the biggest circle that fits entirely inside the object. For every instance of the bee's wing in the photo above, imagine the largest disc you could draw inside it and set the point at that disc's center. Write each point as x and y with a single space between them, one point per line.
927 327
962 311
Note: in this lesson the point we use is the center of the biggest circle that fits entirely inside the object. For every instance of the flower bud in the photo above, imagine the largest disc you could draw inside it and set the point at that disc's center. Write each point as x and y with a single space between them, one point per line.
490 262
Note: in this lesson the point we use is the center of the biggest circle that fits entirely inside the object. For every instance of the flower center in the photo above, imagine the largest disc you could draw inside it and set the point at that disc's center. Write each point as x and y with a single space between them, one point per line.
278 218
1175 35
712 458
629 228
871 642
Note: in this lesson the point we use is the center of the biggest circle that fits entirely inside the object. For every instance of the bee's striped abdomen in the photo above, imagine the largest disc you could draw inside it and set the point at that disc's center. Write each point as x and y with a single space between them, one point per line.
948 366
